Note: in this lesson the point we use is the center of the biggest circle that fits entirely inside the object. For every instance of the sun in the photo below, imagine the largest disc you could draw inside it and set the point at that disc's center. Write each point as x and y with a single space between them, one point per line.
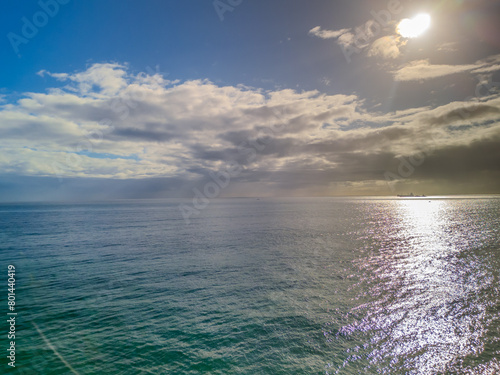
412 28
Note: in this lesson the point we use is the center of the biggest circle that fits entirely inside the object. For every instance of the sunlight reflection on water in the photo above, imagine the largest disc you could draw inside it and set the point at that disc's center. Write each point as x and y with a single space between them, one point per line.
428 312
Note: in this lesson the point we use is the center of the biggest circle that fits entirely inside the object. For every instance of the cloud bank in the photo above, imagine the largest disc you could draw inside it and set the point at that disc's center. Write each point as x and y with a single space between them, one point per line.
106 123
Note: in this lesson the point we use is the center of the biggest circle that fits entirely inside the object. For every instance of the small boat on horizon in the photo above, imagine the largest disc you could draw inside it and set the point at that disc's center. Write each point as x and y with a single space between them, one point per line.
411 195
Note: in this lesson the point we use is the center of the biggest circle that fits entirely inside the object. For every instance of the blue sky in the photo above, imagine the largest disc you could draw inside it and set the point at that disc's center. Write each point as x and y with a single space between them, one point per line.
120 96
254 44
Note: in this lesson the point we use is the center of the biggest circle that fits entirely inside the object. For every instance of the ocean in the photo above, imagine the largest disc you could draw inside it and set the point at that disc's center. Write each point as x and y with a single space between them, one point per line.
254 286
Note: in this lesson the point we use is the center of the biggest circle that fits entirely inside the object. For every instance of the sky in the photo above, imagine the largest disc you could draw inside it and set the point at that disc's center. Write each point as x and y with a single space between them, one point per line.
104 99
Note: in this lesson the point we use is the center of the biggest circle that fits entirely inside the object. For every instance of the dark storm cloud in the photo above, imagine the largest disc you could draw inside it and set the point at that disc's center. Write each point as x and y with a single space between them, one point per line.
478 160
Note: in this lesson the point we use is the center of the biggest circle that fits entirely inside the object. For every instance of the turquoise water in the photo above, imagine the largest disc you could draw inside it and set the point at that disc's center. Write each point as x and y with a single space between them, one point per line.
269 286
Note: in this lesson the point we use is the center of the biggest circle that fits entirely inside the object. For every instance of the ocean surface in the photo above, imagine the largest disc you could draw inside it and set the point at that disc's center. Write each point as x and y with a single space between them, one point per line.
255 286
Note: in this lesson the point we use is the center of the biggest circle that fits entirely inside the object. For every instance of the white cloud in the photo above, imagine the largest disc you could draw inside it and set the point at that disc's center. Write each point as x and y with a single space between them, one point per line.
347 39
137 126
368 36
386 47
110 78
422 69
327 34
107 111
487 69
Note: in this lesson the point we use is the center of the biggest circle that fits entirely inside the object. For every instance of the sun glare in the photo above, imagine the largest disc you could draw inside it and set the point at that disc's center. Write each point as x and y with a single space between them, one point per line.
412 28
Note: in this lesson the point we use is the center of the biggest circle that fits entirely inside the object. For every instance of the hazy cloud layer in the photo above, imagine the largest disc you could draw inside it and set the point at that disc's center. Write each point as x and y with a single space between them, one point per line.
423 70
